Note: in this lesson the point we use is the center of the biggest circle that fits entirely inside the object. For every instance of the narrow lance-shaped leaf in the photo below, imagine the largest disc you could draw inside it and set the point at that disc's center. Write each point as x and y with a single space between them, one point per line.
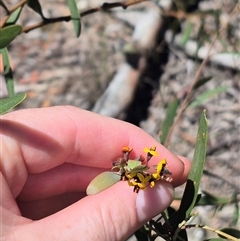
201 82
14 16
8 74
191 190
9 103
8 34
217 14
186 34
75 16
169 119
102 182
235 214
35 6
207 95
209 199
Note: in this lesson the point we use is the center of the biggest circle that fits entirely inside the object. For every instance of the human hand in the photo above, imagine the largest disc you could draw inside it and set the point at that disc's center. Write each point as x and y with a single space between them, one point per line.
48 158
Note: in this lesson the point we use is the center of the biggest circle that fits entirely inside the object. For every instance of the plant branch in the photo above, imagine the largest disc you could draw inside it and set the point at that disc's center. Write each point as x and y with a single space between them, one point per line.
5 18
103 7
4 7
20 4
225 235
188 97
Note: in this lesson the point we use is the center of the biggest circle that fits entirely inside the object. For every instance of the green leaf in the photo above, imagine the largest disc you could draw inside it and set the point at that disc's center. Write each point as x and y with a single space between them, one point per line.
14 16
169 119
75 16
133 163
209 199
231 231
35 6
102 182
235 214
186 34
141 234
8 34
186 202
217 14
10 102
140 168
134 166
8 74
191 190
201 82
207 95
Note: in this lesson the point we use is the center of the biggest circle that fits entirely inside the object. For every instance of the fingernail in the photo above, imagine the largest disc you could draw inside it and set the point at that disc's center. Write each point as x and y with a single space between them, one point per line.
152 201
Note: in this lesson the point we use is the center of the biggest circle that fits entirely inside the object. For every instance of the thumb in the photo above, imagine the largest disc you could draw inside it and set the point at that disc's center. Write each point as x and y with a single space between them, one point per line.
113 214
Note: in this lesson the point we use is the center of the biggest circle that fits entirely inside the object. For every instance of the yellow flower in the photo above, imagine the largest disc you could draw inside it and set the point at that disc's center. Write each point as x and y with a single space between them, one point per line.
160 166
140 181
136 184
135 171
143 178
151 151
152 184
131 175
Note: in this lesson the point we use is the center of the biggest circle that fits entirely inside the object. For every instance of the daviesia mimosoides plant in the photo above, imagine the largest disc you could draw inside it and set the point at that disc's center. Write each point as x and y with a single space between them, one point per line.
136 172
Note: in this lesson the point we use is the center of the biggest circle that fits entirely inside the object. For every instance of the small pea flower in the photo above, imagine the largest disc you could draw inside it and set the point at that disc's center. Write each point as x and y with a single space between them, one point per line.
150 152
162 172
140 181
157 174
126 152
134 167
136 172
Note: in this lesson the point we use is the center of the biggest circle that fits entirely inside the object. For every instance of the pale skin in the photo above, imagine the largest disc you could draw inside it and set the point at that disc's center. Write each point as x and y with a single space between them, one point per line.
49 156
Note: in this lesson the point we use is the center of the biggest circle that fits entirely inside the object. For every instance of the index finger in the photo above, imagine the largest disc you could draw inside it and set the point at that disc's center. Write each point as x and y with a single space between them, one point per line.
49 137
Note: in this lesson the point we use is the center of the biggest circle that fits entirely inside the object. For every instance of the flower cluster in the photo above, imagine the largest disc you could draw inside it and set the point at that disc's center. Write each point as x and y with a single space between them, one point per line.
137 172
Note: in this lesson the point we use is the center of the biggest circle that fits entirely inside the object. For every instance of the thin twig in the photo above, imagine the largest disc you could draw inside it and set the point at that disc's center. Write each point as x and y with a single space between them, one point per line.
4 6
20 4
225 235
5 18
187 99
103 7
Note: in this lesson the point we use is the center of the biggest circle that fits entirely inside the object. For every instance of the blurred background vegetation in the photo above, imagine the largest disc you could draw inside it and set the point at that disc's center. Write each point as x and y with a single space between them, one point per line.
139 64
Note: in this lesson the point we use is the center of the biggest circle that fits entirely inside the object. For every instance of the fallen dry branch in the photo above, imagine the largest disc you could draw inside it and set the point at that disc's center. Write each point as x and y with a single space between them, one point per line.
229 60
120 91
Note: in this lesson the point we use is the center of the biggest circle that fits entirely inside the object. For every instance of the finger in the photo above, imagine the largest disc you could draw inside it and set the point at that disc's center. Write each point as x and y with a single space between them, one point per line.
113 214
41 208
41 204
70 178
57 182
49 137
65 178
186 170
